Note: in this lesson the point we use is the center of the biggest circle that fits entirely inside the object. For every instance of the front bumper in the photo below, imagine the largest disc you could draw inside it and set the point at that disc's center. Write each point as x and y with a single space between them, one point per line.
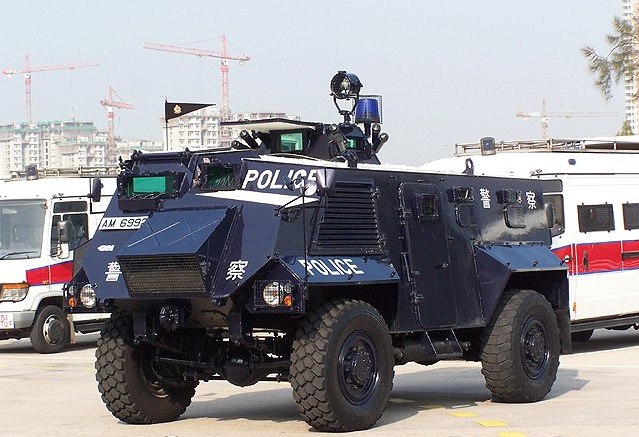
20 320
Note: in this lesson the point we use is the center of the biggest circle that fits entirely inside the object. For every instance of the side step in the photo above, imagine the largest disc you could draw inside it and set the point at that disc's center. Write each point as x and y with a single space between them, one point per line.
428 346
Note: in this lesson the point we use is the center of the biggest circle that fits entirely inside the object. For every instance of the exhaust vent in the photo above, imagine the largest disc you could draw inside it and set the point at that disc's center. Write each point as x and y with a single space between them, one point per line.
348 221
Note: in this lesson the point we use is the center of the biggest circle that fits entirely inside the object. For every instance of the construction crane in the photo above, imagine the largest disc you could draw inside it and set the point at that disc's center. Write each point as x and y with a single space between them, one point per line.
28 70
109 104
544 116
224 64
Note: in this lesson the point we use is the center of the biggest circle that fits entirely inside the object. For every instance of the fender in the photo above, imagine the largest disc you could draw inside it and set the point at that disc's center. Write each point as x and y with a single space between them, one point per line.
501 266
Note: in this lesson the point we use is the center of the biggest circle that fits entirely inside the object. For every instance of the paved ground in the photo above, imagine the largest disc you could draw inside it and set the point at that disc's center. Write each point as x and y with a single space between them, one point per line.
595 395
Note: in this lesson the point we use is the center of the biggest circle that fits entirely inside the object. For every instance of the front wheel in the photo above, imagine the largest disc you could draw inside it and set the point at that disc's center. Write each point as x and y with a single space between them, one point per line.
129 381
520 348
342 366
50 332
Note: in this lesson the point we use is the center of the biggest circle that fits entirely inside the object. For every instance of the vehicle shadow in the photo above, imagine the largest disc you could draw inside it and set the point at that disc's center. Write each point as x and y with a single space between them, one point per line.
445 388
604 340
412 393
83 342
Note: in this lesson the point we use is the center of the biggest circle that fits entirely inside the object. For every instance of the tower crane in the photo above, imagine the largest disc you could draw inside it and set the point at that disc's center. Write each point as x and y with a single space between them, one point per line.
544 116
109 104
224 63
28 70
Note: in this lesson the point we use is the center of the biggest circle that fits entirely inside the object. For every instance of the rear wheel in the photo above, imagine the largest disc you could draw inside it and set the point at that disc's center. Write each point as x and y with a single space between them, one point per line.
520 348
129 381
342 366
50 332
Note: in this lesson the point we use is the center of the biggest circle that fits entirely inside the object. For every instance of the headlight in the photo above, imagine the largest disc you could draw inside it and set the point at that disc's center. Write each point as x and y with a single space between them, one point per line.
14 292
271 294
87 296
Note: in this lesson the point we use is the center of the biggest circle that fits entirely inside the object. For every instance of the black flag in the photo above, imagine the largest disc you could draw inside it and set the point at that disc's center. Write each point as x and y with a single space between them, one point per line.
173 109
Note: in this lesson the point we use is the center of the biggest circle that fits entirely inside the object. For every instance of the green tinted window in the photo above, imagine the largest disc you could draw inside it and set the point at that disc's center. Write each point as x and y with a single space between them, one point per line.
351 143
291 142
219 177
149 185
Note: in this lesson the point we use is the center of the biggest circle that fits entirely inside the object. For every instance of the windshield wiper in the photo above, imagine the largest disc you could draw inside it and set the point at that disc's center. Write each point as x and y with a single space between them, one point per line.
18 253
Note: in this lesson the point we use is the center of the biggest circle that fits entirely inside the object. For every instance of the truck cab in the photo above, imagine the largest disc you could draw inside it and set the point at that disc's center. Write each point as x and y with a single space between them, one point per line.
42 221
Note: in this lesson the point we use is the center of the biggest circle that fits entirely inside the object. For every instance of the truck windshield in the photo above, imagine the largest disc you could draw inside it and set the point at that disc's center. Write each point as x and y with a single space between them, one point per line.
21 226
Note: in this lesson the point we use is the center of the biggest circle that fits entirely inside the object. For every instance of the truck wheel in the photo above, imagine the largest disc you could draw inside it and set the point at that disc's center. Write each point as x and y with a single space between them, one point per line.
50 330
342 366
581 336
129 382
520 348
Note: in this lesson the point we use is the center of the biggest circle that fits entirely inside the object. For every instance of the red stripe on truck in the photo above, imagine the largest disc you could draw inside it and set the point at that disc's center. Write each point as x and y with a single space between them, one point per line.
53 274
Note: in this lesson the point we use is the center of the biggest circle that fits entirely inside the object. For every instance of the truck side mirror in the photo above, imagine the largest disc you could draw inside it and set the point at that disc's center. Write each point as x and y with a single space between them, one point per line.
96 190
64 231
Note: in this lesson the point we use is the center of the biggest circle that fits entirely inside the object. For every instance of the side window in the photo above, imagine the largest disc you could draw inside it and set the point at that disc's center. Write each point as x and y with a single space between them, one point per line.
555 213
74 212
593 218
427 207
631 216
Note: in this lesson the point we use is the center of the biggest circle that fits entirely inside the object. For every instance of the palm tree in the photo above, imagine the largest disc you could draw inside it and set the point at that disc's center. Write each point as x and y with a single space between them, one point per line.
621 62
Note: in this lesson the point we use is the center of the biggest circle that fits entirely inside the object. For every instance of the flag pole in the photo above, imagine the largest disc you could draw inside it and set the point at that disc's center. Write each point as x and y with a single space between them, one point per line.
166 126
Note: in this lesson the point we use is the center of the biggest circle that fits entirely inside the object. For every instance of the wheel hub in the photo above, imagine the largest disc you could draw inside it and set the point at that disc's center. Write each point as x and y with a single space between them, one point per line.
358 368
534 348
53 330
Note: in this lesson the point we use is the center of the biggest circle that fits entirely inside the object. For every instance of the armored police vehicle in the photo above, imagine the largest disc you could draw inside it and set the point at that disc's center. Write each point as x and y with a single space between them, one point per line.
295 256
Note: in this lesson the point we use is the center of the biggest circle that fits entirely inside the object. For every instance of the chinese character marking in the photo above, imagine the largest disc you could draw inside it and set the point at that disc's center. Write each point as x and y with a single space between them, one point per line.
530 199
113 271
236 270
485 197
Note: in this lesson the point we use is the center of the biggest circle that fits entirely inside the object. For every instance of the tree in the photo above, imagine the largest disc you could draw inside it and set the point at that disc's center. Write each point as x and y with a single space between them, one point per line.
621 62
625 129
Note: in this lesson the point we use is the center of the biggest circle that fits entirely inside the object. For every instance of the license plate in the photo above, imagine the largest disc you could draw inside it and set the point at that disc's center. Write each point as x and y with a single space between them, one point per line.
120 223
6 321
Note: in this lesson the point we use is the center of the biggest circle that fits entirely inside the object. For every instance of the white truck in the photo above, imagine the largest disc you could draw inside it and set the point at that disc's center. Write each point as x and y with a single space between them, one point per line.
592 190
42 220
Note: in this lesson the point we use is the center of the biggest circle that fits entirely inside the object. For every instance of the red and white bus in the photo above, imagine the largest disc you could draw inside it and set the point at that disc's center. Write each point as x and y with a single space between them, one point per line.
35 262
592 197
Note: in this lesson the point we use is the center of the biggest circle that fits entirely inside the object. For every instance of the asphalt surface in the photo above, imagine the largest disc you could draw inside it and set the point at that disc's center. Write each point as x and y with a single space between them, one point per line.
595 395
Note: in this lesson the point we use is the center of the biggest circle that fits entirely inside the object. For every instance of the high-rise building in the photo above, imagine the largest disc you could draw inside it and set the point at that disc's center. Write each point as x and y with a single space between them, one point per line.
630 12
201 129
54 144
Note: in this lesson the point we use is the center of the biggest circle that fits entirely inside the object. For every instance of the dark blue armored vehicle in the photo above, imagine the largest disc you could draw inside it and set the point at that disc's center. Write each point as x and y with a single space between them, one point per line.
295 256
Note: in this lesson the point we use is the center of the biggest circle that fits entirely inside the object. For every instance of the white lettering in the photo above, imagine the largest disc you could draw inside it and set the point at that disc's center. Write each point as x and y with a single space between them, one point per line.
342 266
251 176
274 184
319 266
331 267
353 266
264 179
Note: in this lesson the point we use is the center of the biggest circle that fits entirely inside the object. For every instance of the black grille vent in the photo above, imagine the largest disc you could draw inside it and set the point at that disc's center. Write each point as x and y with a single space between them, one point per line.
161 274
349 223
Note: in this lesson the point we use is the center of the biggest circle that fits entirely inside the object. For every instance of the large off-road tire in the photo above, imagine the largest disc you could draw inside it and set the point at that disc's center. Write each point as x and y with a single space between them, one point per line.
342 366
128 381
520 348
581 336
50 331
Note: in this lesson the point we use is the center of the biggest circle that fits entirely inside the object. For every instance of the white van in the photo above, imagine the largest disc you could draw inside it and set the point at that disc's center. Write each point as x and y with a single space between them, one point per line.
592 189
41 222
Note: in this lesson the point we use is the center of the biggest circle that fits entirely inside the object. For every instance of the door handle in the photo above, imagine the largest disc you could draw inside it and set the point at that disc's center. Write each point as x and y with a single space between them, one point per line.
586 261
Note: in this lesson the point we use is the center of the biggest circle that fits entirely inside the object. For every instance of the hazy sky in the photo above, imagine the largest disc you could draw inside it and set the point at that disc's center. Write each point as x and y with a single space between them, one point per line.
449 71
